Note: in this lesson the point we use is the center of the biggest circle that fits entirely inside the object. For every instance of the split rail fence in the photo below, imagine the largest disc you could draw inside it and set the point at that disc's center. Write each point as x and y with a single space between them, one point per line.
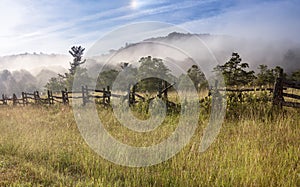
104 96
85 94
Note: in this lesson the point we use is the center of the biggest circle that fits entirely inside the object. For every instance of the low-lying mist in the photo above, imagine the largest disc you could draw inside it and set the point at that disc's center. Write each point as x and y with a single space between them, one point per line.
23 81
29 72
213 49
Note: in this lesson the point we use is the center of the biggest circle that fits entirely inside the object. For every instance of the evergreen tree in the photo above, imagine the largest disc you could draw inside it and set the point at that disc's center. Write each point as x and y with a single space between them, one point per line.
235 72
76 52
67 79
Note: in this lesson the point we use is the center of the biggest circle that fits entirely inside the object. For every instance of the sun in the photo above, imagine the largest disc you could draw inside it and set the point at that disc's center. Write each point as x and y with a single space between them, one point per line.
134 4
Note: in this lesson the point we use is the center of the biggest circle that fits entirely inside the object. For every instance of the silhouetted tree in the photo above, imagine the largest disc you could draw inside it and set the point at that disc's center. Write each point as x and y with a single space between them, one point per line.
76 52
148 67
81 73
234 71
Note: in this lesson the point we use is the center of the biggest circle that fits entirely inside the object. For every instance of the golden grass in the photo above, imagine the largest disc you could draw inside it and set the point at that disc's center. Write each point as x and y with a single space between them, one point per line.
42 146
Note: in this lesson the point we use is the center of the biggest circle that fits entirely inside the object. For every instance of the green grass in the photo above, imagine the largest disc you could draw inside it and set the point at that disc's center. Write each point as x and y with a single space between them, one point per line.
42 146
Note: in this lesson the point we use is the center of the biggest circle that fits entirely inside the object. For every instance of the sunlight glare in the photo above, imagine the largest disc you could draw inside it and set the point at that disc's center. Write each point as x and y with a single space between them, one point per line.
134 4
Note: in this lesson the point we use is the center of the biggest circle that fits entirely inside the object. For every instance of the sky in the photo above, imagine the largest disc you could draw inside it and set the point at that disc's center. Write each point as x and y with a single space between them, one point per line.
54 26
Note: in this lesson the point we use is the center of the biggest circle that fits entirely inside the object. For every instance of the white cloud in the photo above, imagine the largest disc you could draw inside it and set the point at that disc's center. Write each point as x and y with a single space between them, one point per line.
29 26
269 21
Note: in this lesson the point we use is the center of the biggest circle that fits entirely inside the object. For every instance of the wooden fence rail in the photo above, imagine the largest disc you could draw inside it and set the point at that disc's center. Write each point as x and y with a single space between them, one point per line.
85 94
104 96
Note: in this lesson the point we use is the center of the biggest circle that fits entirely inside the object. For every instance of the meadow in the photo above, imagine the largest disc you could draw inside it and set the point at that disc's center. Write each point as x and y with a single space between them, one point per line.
257 146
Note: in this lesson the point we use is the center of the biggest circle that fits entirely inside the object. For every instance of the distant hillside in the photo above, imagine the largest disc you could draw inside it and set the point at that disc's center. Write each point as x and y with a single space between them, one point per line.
252 51
22 80
176 48
43 77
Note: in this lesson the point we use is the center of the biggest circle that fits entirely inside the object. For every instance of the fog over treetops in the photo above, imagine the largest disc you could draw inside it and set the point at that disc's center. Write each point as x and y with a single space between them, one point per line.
31 71
255 52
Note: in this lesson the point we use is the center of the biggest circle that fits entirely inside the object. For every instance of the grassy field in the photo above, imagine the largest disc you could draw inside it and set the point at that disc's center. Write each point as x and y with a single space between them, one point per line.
41 145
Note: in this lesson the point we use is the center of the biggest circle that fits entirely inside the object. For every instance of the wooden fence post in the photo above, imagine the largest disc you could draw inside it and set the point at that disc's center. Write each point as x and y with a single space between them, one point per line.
108 95
133 93
26 98
240 96
63 97
23 98
4 99
36 96
66 96
165 93
52 98
278 91
165 84
104 96
15 99
49 97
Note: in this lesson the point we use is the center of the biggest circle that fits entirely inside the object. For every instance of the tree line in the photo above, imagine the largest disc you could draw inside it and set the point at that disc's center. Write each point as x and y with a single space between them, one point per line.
237 73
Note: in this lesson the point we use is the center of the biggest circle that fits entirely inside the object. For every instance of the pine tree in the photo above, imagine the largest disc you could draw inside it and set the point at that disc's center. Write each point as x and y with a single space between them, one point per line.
67 79
234 71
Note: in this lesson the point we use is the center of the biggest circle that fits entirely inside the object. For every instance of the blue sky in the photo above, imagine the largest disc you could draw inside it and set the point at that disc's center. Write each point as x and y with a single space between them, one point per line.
53 26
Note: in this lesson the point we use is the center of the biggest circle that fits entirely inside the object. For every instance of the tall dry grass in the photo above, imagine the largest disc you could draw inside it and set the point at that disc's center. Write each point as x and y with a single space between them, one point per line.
42 146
